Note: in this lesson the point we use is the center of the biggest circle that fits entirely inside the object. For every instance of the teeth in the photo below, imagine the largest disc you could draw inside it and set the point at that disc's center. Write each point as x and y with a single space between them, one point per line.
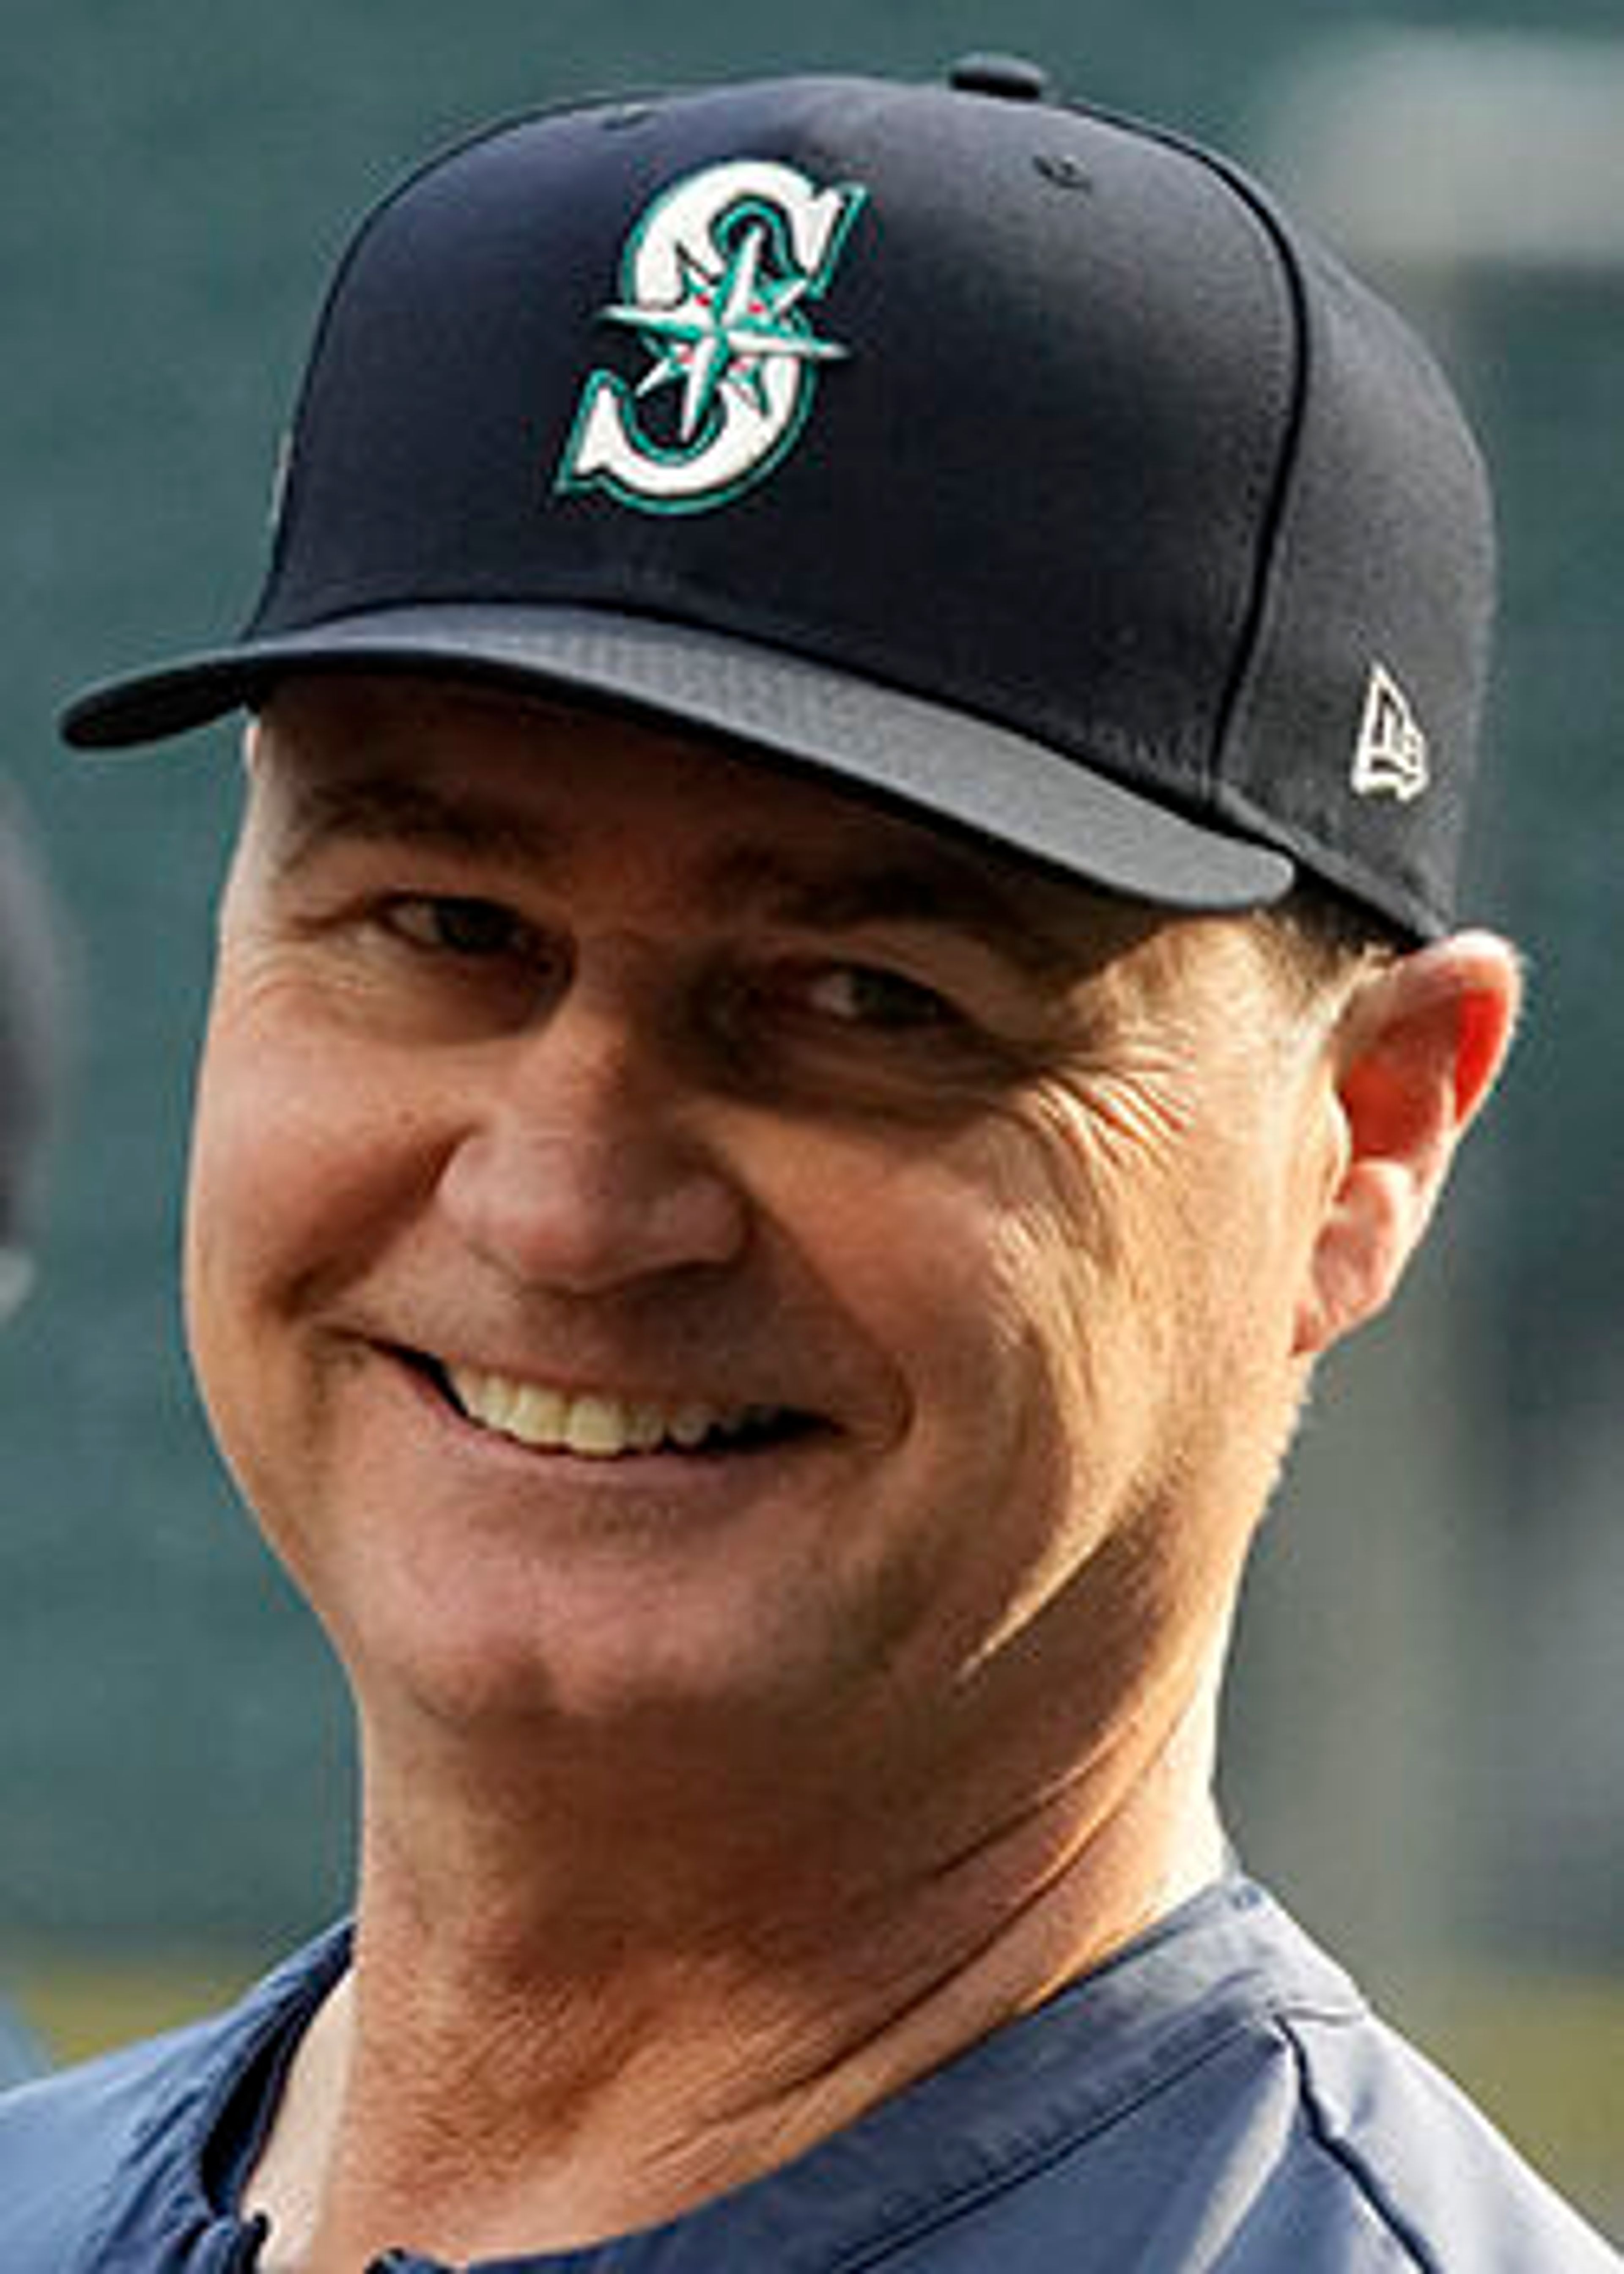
596 1427
690 1424
538 1416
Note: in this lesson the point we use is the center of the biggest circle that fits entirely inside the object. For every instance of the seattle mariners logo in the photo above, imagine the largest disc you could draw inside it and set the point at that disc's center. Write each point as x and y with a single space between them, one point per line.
715 279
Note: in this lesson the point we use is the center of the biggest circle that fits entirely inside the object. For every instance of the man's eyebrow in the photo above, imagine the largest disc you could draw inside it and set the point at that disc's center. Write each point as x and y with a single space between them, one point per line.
390 810
944 894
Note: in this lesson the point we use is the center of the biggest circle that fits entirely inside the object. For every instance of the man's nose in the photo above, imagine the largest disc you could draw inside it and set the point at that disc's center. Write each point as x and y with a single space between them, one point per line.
584 1163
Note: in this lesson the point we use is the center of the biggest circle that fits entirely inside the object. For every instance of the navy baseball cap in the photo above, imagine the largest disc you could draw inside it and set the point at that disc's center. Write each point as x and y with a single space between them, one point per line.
1009 459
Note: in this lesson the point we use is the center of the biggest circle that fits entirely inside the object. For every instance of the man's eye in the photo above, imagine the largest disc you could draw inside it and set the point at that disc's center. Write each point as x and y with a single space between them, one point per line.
863 995
447 924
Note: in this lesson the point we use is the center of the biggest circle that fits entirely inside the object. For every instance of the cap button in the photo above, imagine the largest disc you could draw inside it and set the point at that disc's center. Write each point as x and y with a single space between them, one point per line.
1012 77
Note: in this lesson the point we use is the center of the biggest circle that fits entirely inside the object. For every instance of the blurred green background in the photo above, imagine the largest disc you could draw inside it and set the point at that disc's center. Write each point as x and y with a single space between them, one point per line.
1426 1746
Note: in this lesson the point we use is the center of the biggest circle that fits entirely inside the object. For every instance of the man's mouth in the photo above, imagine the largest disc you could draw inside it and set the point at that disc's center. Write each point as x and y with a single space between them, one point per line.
599 1426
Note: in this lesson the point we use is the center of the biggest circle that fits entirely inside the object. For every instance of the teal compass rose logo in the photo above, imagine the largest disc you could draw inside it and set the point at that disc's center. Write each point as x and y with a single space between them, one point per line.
716 281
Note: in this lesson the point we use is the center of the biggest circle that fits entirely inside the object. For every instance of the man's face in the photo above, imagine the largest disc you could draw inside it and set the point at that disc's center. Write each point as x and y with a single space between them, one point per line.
670 1241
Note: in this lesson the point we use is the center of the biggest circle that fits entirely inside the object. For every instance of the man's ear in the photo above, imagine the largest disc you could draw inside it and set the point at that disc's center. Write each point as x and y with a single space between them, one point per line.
1414 1055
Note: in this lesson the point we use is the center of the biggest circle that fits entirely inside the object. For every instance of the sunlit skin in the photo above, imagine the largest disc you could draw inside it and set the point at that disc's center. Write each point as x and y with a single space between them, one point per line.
726 1789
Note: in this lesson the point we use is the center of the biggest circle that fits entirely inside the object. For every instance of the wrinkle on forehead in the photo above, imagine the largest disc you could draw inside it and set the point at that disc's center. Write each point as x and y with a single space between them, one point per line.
479 771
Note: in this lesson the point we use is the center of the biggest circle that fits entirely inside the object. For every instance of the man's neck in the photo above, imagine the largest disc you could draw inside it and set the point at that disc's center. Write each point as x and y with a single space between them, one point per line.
522 2078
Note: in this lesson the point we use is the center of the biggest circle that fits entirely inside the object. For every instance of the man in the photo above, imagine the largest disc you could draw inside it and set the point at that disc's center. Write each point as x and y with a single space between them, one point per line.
30 1040
838 974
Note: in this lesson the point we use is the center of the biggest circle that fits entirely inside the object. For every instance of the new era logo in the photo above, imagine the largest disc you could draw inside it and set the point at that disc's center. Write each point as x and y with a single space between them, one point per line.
1390 757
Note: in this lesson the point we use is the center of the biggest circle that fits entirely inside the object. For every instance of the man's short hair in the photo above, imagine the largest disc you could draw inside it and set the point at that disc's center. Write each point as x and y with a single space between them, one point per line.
1321 940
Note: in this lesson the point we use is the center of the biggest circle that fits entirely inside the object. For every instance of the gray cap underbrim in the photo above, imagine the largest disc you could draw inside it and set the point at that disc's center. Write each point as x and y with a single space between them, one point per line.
953 766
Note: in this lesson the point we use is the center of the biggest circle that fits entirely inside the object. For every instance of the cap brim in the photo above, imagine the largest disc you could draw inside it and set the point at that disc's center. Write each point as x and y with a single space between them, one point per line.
955 767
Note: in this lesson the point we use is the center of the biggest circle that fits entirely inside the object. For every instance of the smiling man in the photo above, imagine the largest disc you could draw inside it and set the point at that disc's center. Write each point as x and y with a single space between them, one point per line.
839 972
